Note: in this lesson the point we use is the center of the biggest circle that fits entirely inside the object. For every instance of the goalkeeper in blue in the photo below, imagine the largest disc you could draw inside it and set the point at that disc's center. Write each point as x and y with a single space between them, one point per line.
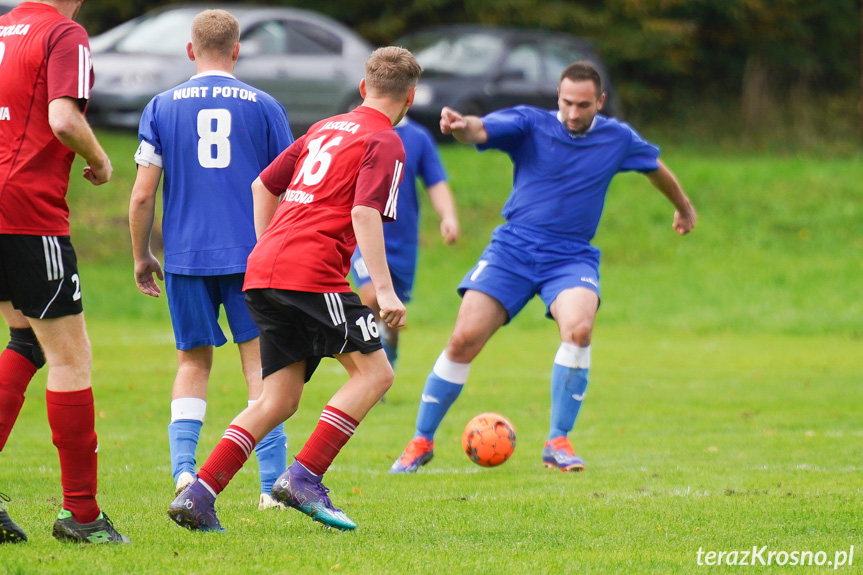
211 136
564 161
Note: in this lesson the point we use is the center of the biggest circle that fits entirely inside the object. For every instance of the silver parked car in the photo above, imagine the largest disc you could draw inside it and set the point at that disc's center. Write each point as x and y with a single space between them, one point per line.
309 62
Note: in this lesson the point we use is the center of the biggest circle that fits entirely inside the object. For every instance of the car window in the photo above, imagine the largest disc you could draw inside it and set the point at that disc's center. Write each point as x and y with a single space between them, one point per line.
265 38
524 60
308 39
166 33
559 55
466 55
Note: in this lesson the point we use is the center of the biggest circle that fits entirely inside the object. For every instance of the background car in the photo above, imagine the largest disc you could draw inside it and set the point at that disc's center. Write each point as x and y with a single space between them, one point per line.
309 62
7 5
478 69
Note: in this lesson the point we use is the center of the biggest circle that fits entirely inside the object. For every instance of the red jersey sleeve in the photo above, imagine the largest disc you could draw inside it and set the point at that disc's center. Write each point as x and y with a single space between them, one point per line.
277 176
70 69
380 174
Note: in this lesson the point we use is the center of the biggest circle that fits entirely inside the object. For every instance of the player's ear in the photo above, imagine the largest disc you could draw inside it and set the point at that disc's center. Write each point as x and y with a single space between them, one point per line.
235 53
410 99
190 51
363 88
600 101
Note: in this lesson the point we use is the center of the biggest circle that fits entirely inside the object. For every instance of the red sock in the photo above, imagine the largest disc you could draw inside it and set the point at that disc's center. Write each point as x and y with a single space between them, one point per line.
333 431
15 374
70 415
227 458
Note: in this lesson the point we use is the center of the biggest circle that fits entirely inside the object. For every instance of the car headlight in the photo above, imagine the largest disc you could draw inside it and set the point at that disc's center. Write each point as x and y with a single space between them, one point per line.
423 95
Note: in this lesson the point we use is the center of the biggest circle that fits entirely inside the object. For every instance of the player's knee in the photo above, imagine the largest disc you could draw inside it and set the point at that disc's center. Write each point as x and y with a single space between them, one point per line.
23 342
462 347
578 334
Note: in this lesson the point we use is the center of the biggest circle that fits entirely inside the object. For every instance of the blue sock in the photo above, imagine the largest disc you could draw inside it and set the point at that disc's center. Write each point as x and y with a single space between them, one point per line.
183 437
392 352
568 385
438 395
272 454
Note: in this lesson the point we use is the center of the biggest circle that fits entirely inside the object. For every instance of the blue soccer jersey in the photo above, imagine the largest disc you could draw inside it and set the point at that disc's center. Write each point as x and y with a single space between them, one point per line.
226 133
560 179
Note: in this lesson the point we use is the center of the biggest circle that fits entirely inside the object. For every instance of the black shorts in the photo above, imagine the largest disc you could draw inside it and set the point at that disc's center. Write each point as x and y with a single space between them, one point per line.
39 275
298 326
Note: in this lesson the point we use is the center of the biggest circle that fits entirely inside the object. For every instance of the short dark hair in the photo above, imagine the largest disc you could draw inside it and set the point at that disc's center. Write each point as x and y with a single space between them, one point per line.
580 71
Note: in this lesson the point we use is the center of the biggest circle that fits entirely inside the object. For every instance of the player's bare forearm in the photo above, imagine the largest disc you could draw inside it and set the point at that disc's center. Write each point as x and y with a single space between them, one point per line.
142 213
442 201
665 181
465 129
71 128
265 206
369 231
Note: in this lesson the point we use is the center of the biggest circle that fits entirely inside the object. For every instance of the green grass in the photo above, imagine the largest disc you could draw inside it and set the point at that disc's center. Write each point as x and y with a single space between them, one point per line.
723 411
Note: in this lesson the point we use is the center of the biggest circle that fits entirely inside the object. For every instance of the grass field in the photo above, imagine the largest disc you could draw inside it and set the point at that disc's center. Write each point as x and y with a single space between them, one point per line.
724 406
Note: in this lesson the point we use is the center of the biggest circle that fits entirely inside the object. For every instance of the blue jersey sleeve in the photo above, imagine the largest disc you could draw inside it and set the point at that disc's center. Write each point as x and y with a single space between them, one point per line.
431 168
280 136
641 155
147 129
506 129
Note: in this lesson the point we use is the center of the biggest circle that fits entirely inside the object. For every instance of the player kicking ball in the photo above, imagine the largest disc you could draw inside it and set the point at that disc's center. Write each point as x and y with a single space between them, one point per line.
338 183
564 161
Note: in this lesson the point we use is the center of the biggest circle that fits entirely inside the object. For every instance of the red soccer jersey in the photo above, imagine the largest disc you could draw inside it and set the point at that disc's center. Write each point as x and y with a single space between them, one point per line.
345 161
43 56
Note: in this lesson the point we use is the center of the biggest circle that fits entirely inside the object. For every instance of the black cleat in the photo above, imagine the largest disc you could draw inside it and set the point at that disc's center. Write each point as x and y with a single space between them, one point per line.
9 530
99 531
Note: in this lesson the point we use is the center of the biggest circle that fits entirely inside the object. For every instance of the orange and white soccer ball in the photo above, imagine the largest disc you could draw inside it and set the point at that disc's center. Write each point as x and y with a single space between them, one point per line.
488 439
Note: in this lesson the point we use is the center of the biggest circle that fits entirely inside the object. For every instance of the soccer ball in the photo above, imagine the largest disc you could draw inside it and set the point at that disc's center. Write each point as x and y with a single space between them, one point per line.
488 439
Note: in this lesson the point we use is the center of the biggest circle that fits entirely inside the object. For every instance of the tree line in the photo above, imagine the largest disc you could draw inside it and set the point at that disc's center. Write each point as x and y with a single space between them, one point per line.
664 54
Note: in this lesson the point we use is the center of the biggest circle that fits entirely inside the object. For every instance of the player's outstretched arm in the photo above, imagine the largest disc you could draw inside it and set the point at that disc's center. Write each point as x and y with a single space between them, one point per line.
71 128
684 215
142 212
465 129
443 203
369 230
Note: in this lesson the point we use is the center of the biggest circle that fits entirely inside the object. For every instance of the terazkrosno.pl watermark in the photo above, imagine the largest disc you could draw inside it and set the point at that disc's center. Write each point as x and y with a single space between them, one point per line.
764 556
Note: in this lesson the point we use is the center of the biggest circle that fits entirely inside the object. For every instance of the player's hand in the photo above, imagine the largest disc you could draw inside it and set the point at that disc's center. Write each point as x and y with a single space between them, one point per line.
144 270
451 120
392 309
449 230
99 174
684 221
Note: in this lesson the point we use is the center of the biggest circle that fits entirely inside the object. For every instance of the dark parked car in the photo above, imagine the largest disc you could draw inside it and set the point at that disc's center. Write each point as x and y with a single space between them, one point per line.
310 63
478 69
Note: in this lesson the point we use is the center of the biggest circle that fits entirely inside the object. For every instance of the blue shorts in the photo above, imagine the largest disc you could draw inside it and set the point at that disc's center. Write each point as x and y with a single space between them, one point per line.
403 279
194 303
520 263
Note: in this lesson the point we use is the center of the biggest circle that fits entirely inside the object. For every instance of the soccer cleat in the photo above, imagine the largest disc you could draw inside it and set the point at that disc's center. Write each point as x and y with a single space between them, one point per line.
418 452
558 454
195 509
99 531
300 489
9 530
267 502
183 481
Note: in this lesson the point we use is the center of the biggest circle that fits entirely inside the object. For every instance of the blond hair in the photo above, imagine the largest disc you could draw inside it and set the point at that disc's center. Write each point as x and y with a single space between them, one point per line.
215 32
392 71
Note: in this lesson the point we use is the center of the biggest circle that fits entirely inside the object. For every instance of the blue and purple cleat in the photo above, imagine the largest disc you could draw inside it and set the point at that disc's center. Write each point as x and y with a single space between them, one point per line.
558 454
301 489
195 509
